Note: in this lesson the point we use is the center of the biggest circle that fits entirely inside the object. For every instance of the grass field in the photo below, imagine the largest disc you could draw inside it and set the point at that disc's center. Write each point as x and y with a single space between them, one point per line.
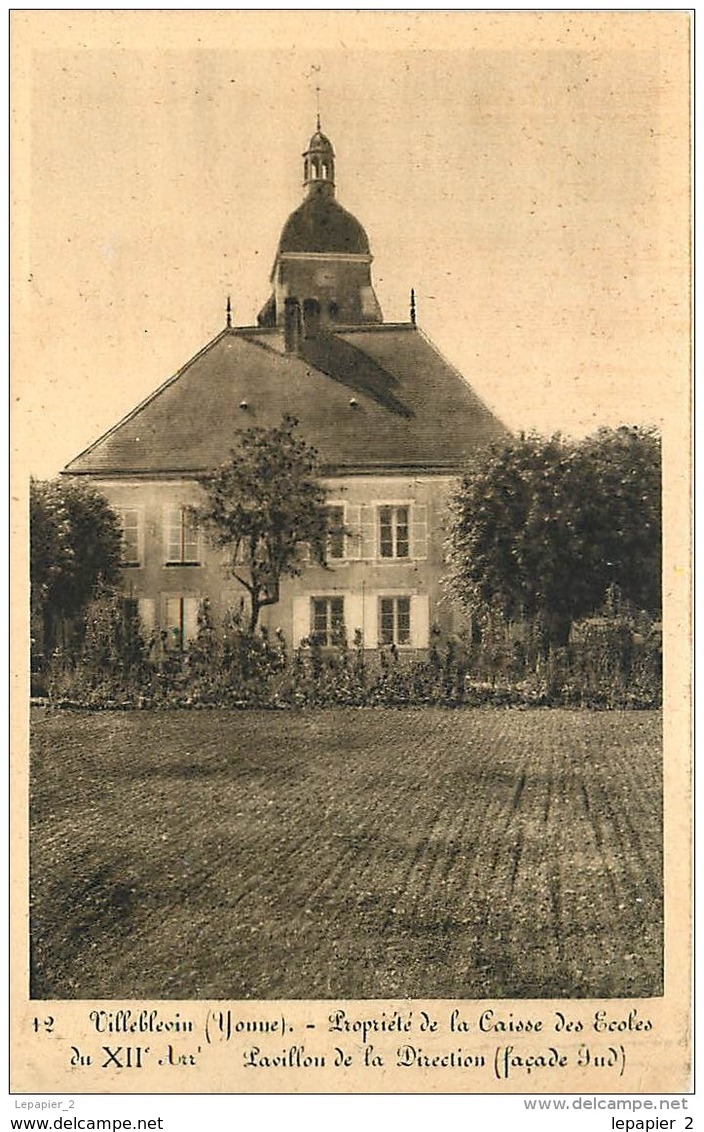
346 854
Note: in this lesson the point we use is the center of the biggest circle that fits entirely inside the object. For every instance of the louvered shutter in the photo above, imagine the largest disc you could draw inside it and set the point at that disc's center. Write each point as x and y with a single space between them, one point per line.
190 619
191 548
131 536
354 616
371 620
172 625
172 534
368 531
420 621
353 540
419 531
301 619
147 613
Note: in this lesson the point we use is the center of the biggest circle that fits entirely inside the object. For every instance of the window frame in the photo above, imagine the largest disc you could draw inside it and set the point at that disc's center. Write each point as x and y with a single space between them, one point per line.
139 512
183 510
394 506
164 627
395 641
330 641
339 505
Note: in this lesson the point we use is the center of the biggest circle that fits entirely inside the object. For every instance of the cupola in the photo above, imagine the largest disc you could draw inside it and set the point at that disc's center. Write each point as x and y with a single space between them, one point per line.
323 262
319 165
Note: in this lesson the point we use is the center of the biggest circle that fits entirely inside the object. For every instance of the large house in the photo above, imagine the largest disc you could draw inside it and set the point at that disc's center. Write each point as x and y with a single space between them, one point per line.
393 423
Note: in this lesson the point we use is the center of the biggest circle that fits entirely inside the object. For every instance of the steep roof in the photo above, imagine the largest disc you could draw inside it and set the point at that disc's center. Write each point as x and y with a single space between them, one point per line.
368 398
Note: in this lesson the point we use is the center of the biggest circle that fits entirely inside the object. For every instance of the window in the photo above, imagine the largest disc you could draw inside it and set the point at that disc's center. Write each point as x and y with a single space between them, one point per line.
336 532
395 620
131 532
181 538
130 610
393 532
327 620
181 624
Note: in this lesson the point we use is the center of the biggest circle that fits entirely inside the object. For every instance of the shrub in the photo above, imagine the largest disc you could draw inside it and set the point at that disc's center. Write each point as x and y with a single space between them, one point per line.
611 661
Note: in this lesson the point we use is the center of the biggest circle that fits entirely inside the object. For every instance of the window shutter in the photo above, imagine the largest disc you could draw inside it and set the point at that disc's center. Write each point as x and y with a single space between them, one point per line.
172 534
354 616
131 536
420 621
303 552
301 619
191 547
419 531
368 532
371 620
190 618
172 611
353 540
147 613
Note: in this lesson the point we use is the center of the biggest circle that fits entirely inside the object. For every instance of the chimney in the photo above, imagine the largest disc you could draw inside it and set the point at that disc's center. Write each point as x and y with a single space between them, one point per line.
311 318
292 326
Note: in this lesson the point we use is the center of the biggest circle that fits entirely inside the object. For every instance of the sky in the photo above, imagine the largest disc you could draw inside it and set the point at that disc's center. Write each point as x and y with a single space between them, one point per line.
526 175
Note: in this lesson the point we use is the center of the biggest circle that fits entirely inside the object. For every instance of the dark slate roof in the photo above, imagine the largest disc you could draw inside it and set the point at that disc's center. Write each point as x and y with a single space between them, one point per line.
320 224
319 143
367 398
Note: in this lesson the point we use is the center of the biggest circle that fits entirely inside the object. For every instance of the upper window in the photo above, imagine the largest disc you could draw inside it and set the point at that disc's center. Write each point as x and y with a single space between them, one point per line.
181 538
393 532
131 536
336 532
328 620
395 620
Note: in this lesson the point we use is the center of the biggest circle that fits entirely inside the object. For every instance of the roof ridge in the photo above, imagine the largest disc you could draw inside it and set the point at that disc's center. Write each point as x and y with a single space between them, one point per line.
375 327
143 404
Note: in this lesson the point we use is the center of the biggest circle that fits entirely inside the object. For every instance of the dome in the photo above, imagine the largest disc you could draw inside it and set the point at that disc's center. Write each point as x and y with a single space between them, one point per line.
320 224
319 143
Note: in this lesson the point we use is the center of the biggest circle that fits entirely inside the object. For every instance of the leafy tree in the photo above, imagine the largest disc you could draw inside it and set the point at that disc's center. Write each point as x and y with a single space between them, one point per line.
75 550
261 505
542 528
619 473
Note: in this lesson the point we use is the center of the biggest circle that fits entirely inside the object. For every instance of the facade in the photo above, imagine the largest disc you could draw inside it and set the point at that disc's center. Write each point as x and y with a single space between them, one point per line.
392 421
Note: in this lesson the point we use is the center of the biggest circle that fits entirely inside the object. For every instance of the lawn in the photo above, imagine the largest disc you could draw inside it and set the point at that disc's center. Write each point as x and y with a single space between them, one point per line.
354 853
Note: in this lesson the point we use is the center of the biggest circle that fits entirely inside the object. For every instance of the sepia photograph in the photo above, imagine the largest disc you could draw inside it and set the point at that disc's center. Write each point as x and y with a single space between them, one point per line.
346 373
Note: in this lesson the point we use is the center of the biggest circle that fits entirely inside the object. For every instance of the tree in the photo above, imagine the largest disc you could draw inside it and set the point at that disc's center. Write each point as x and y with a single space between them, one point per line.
75 549
542 528
261 505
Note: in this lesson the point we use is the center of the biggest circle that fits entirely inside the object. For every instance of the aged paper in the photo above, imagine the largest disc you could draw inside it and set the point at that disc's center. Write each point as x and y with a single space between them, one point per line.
93 98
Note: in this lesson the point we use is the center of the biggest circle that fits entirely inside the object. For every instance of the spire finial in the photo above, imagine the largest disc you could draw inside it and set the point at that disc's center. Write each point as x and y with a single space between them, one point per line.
413 306
228 313
317 103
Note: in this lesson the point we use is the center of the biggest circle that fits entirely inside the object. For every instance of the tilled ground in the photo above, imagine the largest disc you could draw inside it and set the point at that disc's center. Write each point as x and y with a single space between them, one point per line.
361 853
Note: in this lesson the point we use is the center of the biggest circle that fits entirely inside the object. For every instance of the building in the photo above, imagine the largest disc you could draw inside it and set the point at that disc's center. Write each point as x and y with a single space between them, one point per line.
392 420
